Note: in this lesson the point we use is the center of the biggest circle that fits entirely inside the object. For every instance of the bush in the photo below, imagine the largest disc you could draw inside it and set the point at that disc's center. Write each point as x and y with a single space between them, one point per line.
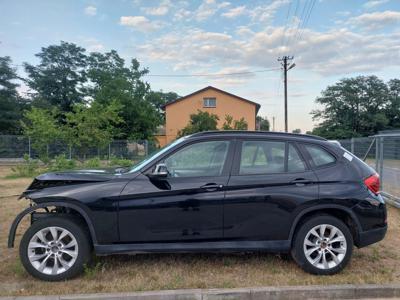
119 162
60 163
29 168
93 163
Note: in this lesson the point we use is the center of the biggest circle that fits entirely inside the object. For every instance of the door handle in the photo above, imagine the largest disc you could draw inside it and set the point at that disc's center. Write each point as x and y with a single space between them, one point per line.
211 187
301 181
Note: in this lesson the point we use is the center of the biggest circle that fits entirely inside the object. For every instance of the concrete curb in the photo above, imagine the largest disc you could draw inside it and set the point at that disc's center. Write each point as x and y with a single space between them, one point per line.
290 292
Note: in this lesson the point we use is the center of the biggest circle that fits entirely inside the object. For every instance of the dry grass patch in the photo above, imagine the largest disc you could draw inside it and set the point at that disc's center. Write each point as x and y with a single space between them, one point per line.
378 263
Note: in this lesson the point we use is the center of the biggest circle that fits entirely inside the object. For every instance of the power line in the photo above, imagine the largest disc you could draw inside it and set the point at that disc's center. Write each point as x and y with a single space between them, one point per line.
305 16
212 75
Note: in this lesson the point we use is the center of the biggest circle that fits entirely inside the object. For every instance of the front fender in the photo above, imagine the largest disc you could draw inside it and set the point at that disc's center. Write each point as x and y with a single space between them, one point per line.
21 215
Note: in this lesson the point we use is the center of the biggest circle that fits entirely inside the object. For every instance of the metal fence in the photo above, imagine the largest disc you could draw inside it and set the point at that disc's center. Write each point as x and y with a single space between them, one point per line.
382 152
14 148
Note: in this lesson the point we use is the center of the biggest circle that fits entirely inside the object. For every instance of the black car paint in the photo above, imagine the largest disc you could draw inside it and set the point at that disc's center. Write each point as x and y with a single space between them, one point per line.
133 212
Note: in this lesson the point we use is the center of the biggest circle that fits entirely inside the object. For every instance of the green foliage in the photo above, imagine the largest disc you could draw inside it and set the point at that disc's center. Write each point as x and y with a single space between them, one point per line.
359 106
42 127
10 103
61 163
231 124
94 162
119 162
159 99
91 271
262 123
93 126
59 77
112 80
29 168
202 121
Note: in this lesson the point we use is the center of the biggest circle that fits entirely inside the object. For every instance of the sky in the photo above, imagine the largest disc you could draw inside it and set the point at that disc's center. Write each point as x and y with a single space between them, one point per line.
329 39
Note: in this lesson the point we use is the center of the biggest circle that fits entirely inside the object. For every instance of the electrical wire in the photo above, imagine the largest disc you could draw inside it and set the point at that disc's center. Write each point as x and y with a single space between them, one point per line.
212 75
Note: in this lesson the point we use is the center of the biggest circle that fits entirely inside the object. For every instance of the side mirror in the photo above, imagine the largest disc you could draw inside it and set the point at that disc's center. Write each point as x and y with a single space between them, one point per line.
160 171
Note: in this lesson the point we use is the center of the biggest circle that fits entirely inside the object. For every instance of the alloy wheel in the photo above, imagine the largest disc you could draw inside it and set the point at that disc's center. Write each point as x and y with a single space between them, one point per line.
325 246
52 250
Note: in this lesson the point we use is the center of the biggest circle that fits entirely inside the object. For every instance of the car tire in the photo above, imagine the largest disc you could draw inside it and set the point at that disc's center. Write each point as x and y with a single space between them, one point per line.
55 258
322 245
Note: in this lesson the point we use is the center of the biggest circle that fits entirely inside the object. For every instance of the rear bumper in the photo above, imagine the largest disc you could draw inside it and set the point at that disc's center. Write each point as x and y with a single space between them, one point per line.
372 236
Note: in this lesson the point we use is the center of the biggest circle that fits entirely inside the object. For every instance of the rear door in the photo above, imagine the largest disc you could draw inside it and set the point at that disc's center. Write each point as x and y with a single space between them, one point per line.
270 178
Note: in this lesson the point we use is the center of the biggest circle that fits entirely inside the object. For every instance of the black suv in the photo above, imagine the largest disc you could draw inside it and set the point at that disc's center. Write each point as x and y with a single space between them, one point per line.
212 191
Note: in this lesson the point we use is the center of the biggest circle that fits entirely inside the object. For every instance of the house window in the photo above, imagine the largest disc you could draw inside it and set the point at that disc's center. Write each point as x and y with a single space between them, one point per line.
209 102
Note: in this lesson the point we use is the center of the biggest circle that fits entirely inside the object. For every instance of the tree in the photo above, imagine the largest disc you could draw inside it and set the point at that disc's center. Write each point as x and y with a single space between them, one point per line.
11 104
262 123
113 81
59 77
202 121
393 107
231 124
159 99
93 126
42 127
297 130
352 107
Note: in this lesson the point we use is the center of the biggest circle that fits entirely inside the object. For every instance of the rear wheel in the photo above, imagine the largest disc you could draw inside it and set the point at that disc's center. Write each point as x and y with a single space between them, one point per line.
323 245
55 248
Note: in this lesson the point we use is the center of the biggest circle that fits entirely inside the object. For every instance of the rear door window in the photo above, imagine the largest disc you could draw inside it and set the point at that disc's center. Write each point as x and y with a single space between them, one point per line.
295 162
319 156
262 157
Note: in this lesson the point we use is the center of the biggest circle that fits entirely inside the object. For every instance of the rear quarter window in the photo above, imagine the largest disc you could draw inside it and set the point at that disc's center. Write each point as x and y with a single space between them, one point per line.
319 156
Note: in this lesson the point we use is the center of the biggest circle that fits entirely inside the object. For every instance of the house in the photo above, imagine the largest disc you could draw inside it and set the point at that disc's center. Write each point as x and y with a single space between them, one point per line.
210 99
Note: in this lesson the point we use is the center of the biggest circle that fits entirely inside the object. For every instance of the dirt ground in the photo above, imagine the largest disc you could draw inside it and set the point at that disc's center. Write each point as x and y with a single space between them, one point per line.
379 263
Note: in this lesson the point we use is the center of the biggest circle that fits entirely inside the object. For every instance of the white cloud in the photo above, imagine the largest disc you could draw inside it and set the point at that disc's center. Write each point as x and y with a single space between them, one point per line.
244 31
235 12
208 8
91 10
139 23
160 10
374 3
333 52
93 45
376 20
182 14
266 12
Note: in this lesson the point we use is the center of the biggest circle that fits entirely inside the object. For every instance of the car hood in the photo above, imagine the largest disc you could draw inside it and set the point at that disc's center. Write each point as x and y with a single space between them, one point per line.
73 177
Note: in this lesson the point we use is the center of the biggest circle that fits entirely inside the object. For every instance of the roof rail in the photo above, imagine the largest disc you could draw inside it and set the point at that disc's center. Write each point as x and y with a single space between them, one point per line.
274 133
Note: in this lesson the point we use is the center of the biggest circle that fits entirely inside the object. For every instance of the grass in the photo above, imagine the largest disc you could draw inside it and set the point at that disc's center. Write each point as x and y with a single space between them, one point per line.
379 263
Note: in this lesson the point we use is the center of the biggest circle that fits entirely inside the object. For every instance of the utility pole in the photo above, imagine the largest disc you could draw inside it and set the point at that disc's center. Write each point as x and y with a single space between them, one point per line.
284 62
273 123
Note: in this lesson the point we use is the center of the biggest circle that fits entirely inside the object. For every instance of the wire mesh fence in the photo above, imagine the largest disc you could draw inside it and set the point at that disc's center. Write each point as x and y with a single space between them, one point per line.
14 148
382 152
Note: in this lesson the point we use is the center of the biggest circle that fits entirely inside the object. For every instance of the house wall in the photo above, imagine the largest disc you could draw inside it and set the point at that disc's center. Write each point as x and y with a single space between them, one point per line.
178 113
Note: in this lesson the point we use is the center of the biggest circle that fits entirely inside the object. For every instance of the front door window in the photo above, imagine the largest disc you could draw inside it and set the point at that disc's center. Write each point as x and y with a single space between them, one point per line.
198 160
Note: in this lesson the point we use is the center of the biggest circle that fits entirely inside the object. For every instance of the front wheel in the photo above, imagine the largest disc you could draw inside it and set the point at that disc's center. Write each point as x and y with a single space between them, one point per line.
323 245
54 248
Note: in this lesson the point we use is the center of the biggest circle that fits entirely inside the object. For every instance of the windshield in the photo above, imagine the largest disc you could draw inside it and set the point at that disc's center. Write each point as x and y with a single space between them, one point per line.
154 156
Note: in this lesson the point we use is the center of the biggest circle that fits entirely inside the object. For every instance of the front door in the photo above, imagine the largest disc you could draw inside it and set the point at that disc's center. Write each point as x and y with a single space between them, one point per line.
187 204
268 181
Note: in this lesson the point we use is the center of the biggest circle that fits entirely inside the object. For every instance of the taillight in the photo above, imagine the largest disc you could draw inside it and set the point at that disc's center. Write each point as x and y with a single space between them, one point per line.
373 183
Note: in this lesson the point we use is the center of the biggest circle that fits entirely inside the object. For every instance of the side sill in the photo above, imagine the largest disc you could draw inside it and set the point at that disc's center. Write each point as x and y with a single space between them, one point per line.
224 246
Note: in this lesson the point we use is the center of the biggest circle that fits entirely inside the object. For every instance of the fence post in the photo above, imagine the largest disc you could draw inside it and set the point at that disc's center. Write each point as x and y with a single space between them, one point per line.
146 147
352 145
70 152
377 141
381 162
109 151
29 147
